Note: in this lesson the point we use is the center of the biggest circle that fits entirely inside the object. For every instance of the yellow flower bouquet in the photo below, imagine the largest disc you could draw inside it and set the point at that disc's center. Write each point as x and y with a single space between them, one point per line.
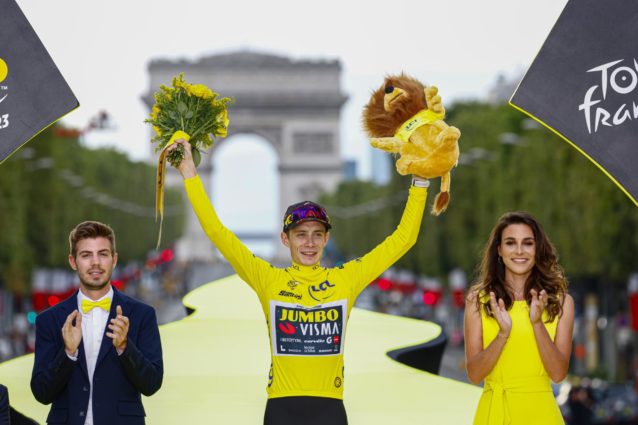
193 109
189 111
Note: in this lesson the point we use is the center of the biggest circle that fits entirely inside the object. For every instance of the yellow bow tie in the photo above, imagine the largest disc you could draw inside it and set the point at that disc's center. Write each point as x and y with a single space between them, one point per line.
104 304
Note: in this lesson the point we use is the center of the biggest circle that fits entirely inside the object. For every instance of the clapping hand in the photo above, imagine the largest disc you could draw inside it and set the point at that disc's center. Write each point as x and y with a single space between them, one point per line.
501 315
72 334
119 330
537 306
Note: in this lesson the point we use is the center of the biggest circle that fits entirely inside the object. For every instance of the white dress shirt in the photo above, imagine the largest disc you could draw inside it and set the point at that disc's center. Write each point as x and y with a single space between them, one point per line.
93 325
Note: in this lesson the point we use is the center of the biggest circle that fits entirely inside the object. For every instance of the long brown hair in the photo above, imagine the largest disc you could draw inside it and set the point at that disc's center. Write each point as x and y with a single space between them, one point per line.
546 274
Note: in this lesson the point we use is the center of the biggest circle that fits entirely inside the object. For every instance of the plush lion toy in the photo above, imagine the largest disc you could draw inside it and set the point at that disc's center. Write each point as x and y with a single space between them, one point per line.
405 117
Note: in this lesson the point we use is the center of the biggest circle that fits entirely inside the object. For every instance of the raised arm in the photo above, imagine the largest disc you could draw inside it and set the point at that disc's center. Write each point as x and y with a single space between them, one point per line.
247 265
388 144
375 262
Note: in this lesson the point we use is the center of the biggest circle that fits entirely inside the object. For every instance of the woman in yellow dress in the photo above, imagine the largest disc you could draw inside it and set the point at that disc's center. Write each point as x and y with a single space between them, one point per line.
518 325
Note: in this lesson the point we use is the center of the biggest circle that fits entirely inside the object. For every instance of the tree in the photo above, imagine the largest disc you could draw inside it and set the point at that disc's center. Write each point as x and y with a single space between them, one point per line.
54 183
508 163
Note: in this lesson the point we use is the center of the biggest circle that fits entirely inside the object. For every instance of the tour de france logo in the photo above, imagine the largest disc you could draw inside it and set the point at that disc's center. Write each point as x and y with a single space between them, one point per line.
4 71
617 77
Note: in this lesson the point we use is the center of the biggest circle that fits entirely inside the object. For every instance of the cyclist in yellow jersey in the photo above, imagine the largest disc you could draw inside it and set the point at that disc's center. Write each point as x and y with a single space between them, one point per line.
306 305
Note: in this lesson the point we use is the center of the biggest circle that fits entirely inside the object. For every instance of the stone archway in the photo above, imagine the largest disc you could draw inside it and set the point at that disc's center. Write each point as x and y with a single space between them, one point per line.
295 105
245 191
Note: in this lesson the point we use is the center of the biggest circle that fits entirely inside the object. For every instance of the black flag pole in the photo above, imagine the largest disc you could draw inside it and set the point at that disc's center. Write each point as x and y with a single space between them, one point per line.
583 85
33 93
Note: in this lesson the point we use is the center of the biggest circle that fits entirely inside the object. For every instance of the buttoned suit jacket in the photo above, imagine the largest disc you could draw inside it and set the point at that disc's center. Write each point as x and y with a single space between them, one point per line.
4 405
118 380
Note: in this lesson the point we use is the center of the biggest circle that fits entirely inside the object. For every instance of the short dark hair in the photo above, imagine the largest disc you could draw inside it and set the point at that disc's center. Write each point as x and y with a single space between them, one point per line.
90 230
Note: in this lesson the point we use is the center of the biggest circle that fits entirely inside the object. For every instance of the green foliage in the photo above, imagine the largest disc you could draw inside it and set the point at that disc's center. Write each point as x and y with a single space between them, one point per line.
15 253
53 183
593 225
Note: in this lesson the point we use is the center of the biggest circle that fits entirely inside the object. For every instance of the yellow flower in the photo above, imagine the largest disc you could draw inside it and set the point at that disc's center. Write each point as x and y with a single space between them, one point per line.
154 112
200 90
178 82
223 118
157 130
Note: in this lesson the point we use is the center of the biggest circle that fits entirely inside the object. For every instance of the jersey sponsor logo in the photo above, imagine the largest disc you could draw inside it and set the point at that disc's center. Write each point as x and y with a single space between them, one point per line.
323 291
271 375
287 328
292 284
283 293
307 331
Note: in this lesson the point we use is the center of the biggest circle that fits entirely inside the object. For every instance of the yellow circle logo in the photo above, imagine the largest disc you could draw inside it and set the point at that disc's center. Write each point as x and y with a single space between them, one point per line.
4 70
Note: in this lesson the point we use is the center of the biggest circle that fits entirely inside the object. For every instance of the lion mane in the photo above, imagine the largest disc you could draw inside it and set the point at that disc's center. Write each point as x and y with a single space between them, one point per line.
378 122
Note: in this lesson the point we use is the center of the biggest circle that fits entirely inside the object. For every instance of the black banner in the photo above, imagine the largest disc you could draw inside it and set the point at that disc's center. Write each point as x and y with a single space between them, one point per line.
33 93
583 85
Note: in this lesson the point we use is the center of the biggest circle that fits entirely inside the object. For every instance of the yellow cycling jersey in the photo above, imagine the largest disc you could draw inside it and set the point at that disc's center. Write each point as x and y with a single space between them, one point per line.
307 307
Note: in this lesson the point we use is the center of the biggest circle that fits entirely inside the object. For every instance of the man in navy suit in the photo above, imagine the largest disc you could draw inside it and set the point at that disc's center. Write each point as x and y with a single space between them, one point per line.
8 415
98 350
4 405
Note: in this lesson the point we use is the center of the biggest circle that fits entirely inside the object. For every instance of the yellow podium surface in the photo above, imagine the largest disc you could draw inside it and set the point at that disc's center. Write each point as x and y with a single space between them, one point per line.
216 364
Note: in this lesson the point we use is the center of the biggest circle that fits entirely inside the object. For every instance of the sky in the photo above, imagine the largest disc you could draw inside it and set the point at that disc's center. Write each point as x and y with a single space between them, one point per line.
103 50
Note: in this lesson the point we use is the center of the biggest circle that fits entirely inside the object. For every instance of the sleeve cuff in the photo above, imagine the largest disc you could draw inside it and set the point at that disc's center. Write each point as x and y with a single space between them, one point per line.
191 180
420 182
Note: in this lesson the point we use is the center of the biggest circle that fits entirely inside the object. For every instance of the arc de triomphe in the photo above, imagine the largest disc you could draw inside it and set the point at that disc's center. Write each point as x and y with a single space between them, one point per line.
294 105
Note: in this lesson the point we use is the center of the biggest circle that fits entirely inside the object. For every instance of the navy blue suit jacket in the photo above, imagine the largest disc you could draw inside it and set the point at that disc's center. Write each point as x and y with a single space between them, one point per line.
4 405
117 380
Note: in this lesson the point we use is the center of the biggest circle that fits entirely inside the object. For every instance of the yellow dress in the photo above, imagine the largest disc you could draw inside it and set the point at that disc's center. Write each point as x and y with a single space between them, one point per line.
518 390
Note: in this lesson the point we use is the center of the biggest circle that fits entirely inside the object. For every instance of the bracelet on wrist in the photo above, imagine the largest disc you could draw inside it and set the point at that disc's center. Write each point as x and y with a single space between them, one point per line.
417 182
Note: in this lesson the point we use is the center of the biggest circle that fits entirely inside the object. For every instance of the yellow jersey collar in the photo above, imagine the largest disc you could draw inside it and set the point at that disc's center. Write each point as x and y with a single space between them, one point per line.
306 270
